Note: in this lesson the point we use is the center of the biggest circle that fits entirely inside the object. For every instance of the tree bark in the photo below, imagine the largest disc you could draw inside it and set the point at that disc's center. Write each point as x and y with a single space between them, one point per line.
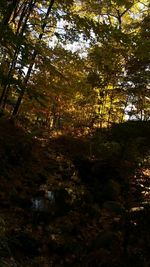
25 12
21 95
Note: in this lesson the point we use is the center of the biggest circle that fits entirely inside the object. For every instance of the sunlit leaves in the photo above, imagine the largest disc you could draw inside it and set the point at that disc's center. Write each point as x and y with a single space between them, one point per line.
109 41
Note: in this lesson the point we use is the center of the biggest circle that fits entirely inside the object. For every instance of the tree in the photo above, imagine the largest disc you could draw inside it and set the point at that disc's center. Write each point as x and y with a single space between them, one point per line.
103 69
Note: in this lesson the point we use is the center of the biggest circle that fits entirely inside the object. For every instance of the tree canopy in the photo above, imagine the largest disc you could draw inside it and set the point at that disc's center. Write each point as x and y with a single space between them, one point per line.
60 60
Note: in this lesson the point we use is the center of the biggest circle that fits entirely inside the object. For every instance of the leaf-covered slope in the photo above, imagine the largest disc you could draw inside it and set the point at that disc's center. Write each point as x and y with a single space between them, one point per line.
73 202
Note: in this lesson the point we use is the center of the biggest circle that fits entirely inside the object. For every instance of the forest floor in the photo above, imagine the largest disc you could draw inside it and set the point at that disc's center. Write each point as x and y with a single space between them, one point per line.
74 201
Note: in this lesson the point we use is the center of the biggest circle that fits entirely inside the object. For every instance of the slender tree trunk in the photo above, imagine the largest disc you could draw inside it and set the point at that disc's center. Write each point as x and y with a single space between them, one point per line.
21 95
124 109
25 12
103 107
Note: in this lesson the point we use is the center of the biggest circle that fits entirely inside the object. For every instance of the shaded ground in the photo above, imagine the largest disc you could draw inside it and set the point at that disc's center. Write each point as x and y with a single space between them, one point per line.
75 202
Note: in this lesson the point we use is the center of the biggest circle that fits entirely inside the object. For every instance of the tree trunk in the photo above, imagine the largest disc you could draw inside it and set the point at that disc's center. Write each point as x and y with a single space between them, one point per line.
26 11
21 95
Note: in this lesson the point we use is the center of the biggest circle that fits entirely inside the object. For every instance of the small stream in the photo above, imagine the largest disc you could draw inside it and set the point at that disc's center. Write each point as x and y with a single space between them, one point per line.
43 203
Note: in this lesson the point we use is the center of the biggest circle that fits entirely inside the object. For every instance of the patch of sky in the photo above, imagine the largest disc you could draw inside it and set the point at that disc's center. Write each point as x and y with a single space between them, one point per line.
80 45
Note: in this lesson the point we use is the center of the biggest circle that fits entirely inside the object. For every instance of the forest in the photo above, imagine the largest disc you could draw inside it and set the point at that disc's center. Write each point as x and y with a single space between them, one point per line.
74 133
